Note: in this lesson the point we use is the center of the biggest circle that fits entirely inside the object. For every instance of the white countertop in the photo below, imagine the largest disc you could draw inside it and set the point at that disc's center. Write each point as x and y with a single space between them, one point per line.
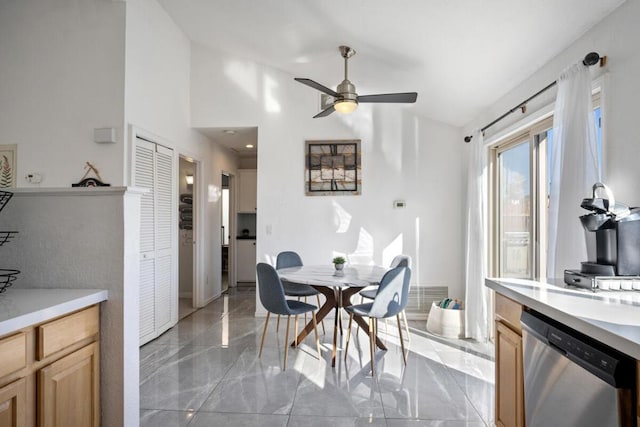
20 308
612 317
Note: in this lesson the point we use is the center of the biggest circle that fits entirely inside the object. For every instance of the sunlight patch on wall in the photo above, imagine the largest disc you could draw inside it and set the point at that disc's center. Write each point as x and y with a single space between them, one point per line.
415 265
244 75
394 248
391 135
341 218
361 122
363 253
214 193
269 85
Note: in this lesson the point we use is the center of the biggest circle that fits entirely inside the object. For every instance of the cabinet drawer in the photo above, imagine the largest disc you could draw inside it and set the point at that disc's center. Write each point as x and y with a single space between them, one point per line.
66 331
13 353
509 311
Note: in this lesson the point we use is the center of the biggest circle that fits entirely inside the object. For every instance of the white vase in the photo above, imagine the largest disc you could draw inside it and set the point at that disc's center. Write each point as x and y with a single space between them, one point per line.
339 266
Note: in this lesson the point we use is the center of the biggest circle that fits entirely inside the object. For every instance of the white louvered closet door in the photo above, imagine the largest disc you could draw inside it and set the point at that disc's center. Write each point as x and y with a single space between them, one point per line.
166 294
153 169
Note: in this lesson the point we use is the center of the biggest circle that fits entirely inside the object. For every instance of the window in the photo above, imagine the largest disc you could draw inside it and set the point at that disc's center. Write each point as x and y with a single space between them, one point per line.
520 187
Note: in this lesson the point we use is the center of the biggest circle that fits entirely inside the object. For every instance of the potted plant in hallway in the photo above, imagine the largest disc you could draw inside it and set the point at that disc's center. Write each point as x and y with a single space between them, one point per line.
338 262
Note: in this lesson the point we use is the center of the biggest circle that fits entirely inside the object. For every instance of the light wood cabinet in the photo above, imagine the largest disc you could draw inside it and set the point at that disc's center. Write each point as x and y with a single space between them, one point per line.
247 190
50 373
509 368
68 390
13 404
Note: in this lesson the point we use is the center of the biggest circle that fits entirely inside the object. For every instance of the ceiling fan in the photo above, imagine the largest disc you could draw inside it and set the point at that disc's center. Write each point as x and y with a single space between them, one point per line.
345 98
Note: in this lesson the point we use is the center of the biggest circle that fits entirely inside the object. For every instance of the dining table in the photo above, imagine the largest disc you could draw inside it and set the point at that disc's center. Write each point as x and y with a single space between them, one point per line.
337 286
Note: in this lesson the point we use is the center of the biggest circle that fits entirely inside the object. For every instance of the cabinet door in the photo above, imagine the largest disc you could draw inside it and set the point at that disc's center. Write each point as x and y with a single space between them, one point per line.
509 378
69 390
246 261
13 401
247 190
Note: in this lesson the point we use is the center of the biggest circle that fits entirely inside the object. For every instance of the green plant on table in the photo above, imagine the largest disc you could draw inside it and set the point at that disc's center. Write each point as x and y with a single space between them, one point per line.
339 260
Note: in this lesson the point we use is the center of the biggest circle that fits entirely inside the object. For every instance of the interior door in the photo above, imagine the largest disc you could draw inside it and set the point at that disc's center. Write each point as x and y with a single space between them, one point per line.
154 170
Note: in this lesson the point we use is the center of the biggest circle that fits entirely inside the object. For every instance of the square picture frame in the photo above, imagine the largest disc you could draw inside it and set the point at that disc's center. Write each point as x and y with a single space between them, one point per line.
333 167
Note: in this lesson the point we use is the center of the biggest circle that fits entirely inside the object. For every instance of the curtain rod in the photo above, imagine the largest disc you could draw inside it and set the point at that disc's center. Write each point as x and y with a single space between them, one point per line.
590 59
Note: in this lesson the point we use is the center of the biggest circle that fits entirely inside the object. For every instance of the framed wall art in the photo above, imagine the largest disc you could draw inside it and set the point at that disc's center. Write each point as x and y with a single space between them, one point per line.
8 165
333 167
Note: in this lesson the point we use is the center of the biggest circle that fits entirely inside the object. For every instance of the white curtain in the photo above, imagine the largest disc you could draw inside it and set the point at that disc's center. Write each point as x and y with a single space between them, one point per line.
476 294
574 170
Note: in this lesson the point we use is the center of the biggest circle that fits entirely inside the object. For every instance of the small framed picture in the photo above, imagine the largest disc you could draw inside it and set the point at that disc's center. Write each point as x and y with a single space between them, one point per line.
8 165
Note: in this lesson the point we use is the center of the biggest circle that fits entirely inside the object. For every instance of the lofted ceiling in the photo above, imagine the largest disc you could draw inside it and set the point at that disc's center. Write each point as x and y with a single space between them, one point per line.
459 55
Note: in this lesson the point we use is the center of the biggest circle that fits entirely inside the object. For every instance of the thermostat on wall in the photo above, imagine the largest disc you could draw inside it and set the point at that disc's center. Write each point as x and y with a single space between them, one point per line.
399 204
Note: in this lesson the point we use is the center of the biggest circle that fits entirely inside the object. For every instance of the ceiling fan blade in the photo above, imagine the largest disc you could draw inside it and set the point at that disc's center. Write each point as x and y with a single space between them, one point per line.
325 112
406 97
317 86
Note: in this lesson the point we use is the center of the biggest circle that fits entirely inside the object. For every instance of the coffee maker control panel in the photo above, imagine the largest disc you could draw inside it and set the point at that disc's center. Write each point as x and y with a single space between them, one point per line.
605 283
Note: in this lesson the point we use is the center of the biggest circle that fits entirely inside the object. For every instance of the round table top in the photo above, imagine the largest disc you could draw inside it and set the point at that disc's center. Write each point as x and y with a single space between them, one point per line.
352 275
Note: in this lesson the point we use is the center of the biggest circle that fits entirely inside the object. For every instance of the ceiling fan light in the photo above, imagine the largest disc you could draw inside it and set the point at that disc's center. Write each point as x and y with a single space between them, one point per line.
346 106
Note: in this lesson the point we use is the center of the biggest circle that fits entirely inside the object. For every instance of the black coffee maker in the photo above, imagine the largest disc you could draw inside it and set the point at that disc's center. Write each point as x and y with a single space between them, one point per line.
612 232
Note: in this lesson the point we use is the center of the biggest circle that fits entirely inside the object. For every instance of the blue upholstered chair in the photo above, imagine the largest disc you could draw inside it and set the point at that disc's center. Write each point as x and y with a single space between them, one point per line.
390 300
292 259
398 261
274 301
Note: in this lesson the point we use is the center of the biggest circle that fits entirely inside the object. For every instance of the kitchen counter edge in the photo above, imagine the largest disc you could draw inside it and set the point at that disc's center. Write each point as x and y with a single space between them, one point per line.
21 308
624 338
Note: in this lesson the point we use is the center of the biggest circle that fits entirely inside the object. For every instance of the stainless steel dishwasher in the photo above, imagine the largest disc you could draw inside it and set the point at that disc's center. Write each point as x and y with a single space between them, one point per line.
573 380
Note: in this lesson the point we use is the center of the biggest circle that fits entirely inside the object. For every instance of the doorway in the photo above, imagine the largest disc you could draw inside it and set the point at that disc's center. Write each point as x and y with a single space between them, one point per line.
225 230
186 243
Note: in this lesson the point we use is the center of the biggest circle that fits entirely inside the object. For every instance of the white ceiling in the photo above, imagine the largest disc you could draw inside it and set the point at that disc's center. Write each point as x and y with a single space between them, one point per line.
235 139
459 55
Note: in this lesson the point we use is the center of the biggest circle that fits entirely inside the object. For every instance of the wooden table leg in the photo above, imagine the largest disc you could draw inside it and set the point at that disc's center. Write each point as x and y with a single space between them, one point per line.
330 304
335 328
346 301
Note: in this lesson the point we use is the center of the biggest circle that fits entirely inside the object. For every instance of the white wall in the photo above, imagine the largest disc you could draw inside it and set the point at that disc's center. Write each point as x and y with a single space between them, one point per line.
404 157
616 37
158 73
62 74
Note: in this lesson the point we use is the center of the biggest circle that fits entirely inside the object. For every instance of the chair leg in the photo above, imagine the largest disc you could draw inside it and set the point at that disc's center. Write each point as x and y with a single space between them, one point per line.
404 354
372 342
406 325
286 343
346 346
264 332
295 330
315 330
305 316
324 332
278 324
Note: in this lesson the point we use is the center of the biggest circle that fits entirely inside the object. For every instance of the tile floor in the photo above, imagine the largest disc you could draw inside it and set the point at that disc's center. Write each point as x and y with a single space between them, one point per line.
205 372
